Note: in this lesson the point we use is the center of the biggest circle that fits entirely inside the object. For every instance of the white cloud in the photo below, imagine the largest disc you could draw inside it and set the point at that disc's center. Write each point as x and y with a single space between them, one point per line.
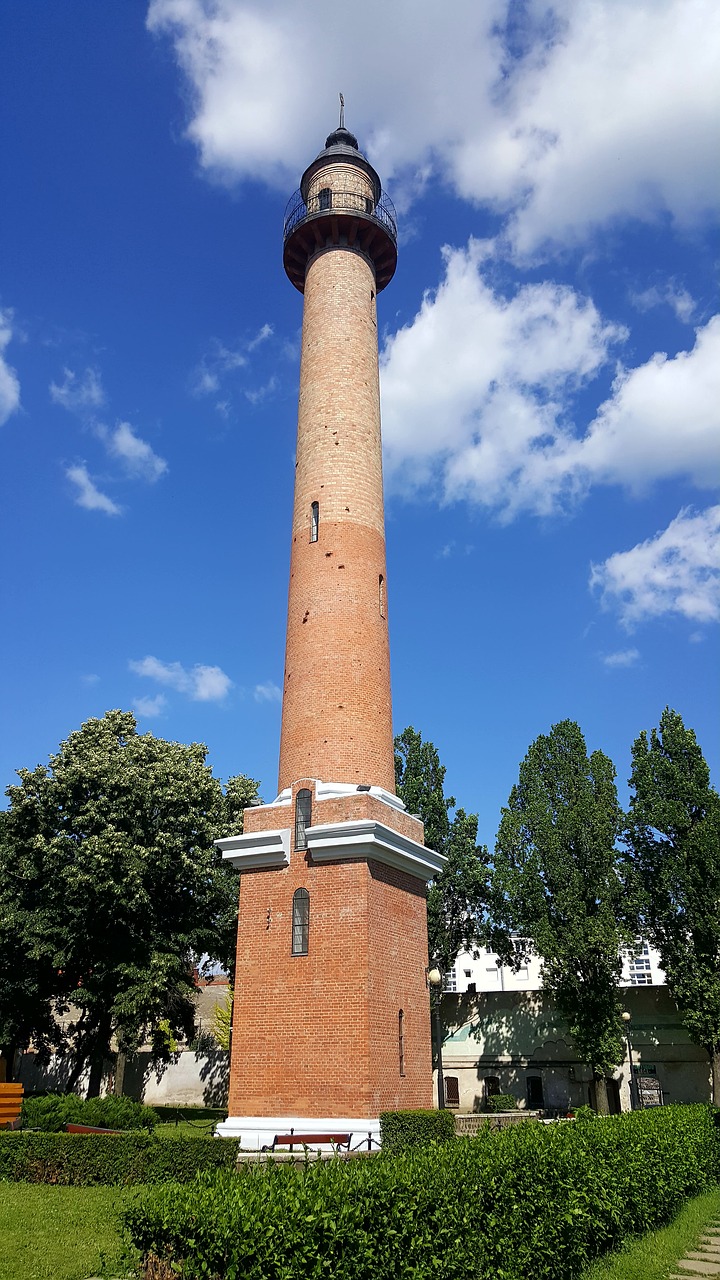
201 683
622 658
150 707
261 336
675 572
210 684
78 394
663 419
136 455
258 394
478 397
222 360
671 294
9 384
608 109
475 387
88 495
268 692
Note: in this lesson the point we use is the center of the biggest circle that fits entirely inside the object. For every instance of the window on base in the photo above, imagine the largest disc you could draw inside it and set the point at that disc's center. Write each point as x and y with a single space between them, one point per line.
303 816
300 922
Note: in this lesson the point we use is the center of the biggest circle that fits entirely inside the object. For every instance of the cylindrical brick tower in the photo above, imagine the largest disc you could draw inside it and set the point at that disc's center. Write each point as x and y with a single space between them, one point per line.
331 1018
340 251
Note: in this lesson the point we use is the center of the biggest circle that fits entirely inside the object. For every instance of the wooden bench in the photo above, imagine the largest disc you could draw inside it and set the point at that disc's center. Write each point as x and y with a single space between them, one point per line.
340 1141
11 1097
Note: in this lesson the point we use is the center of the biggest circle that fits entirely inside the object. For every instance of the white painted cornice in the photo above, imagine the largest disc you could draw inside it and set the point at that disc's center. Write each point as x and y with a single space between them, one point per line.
339 790
366 838
257 849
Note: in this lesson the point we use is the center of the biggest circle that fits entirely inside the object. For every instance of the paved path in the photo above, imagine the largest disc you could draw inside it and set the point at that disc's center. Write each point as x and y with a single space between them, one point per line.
703 1261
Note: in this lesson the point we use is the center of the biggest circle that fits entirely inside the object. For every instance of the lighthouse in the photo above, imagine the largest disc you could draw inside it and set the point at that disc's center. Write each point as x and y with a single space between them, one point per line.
331 1017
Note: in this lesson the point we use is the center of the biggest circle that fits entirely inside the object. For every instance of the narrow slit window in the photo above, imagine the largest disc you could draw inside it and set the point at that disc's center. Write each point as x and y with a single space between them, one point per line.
401 1041
300 922
303 817
314 521
381 595
325 198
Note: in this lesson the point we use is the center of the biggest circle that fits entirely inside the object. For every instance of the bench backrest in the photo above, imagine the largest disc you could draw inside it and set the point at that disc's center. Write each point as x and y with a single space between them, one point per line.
311 1139
11 1096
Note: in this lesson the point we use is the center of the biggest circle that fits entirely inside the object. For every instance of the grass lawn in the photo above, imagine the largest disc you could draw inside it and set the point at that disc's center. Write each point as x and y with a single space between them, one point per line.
186 1129
67 1233
653 1257
59 1233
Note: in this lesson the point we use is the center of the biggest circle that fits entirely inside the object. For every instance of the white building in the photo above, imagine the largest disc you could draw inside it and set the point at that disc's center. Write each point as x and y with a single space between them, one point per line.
480 970
503 1034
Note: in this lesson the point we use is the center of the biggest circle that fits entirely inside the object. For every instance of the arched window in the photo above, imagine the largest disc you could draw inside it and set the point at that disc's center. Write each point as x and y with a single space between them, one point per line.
314 521
300 922
303 817
324 198
381 595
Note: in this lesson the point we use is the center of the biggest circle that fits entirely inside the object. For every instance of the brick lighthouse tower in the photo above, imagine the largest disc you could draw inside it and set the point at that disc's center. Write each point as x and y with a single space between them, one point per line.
331 1019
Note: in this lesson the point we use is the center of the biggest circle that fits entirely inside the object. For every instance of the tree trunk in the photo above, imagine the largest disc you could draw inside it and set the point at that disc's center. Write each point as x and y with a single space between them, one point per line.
120 1060
9 1055
602 1105
97 1062
714 1052
99 1052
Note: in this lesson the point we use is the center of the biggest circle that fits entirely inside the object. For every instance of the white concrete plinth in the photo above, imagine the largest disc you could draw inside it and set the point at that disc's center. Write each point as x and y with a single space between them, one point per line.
256 1132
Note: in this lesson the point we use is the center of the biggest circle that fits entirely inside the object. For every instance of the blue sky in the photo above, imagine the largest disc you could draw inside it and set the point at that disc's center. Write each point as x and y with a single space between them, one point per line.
550 352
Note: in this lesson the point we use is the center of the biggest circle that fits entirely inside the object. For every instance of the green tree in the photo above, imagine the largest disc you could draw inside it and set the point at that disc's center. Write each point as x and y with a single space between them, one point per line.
109 874
674 843
557 886
458 895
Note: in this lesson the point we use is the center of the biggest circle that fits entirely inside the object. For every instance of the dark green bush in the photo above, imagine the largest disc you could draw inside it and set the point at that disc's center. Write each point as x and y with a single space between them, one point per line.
97 1159
50 1112
400 1130
501 1102
531 1202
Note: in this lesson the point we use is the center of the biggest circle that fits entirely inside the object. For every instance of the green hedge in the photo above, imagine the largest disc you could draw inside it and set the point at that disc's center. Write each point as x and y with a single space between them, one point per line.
50 1112
501 1102
97 1159
530 1202
400 1130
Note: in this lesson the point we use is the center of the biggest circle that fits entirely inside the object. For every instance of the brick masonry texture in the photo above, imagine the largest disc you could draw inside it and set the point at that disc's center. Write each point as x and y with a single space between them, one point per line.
318 1034
337 712
322 1037
339 809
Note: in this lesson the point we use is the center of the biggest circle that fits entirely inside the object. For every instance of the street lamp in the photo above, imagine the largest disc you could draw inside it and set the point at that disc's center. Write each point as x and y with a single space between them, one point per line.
627 1018
433 979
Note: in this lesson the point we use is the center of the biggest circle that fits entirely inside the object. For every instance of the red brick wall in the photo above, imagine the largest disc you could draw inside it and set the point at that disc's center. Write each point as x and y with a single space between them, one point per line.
337 713
317 1035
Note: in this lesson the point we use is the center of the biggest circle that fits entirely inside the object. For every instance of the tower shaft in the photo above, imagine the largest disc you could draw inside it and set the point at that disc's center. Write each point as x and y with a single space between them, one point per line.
330 1023
337 717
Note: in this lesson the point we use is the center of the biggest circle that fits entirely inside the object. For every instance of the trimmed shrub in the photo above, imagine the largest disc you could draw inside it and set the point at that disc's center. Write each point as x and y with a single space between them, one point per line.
501 1102
400 1130
526 1203
98 1159
50 1112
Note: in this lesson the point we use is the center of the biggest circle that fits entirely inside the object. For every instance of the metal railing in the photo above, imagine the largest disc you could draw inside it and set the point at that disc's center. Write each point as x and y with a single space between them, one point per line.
330 201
